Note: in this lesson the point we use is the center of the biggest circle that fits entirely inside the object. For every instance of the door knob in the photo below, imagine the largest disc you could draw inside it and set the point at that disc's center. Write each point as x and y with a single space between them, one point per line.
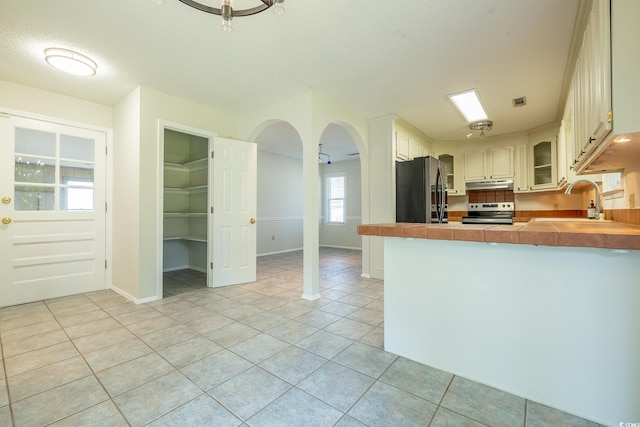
252 220
6 200
6 220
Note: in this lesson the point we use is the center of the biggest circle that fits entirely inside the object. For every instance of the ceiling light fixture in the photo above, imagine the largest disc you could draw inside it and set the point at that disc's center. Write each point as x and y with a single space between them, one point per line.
468 103
321 154
70 61
227 12
481 126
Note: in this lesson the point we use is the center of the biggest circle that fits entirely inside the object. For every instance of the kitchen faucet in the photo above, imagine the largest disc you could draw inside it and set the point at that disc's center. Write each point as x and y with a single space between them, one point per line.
598 205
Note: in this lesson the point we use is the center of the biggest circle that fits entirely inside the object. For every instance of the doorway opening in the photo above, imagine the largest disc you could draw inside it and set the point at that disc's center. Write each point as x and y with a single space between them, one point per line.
186 223
340 194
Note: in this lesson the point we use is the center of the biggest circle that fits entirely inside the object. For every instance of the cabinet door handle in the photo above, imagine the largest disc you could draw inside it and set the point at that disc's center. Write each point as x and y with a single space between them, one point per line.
591 140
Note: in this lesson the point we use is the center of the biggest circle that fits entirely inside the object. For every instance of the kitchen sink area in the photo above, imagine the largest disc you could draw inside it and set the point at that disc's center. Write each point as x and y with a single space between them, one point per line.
590 221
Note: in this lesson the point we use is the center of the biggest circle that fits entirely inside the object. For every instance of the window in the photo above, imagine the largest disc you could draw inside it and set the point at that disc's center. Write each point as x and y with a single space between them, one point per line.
336 198
612 185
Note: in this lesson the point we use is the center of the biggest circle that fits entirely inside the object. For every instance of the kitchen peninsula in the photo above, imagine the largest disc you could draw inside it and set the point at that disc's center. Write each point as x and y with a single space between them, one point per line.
548 310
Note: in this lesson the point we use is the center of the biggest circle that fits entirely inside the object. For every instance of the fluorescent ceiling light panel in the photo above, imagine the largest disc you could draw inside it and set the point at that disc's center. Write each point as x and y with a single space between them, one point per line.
469 105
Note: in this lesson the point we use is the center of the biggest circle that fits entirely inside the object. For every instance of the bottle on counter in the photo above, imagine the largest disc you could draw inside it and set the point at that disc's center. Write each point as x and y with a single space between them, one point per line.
591 211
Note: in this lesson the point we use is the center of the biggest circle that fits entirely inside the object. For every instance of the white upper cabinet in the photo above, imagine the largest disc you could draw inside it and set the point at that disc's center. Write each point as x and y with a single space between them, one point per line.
501 162
606 89
402 146
592 84
408 148
521 179
543 165
475 165
451 163
492 163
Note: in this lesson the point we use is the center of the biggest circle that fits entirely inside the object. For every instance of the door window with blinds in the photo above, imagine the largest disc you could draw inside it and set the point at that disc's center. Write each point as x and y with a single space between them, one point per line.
53 172
336 191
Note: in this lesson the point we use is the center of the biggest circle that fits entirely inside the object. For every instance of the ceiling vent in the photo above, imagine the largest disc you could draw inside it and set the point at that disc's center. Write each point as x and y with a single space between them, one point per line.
520 102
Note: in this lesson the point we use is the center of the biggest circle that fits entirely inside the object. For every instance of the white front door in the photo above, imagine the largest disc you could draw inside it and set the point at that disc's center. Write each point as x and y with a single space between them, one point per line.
52 210
234 211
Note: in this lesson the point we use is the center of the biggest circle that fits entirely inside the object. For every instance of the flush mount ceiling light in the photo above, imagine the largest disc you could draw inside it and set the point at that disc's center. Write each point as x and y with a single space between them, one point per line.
323 156
468 103
481 126
70 61
227 11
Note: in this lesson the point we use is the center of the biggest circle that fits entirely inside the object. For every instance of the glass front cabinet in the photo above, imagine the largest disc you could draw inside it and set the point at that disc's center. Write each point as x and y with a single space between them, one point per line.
543 165
451 166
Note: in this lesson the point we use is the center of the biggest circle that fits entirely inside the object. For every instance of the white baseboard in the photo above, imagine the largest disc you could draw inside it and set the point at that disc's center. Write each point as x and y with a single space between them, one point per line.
133 299
125 294
184 267
311 297
200 269
280 252
341 247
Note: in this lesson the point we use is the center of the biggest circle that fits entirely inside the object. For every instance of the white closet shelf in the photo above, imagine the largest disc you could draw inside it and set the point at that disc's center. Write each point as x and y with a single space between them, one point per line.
184 214
186 190
188 166
202 239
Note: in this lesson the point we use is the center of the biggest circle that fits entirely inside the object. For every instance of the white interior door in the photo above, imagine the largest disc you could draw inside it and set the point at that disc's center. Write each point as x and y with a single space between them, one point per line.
234 212
52 192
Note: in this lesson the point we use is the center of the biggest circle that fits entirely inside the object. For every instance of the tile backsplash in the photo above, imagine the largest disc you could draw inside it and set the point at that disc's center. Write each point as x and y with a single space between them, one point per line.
489 196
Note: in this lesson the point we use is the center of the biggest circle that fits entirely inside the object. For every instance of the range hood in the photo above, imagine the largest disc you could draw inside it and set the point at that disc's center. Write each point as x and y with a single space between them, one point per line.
490 184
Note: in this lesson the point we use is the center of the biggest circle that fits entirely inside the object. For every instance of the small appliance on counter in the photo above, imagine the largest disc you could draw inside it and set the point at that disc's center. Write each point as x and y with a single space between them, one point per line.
489 213
421 191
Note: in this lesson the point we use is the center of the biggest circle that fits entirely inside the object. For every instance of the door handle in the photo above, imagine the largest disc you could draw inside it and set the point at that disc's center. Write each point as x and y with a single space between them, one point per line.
6 200
6 220
252 220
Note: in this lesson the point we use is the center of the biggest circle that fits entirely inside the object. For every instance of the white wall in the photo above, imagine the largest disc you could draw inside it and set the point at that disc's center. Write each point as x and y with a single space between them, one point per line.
126 195
154 106
280 195
342 235
36 101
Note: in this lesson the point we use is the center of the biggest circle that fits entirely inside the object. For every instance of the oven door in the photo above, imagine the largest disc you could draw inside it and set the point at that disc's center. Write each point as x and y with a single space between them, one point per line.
488 218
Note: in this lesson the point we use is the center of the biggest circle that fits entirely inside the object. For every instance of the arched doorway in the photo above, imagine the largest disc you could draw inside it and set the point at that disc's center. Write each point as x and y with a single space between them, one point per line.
340 205
280 192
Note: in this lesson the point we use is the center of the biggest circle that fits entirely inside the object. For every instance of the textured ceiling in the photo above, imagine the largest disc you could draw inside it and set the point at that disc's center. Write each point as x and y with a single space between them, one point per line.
376 57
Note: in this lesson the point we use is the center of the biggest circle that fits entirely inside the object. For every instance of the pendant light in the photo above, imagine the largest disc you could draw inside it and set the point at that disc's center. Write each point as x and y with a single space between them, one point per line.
227 10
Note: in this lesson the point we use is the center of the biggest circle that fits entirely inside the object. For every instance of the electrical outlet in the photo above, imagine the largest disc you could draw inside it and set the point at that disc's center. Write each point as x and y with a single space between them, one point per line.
273 237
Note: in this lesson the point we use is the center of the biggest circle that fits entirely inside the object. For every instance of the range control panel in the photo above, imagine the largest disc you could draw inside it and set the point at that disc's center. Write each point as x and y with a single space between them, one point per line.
491 207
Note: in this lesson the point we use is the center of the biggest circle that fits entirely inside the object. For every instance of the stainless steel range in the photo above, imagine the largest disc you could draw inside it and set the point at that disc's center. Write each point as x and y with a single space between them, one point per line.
489 213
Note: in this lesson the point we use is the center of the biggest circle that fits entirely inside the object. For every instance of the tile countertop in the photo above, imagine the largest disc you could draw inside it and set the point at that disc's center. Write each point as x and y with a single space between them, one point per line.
610 235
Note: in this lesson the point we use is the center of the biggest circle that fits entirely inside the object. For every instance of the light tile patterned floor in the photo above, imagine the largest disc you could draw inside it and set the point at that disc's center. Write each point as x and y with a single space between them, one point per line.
251 355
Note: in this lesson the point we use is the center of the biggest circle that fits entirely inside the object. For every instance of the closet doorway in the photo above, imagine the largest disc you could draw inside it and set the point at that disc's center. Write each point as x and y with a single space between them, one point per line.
186 223
208 210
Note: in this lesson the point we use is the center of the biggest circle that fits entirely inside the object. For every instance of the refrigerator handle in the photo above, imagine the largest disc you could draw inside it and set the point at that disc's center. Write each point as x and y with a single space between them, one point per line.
443 196
439 198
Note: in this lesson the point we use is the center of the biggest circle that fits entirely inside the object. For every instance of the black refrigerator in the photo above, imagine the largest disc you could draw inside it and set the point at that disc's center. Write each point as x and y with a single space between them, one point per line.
421 191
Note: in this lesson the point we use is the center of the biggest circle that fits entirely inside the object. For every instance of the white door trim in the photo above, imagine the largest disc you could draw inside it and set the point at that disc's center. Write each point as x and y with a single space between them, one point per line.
108 238
162 125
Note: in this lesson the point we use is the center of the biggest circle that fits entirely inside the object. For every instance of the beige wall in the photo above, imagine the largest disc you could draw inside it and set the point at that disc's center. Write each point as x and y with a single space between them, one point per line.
155 106
126 195
41 102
